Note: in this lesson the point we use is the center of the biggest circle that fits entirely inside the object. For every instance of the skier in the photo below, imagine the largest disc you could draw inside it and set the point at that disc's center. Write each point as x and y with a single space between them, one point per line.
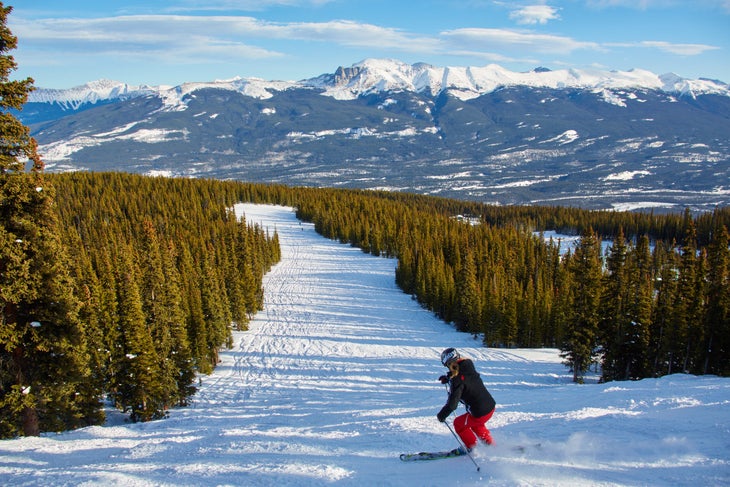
467 387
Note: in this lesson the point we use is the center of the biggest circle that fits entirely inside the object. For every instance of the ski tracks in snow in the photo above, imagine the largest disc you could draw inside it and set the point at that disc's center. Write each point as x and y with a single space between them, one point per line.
337 364
340 367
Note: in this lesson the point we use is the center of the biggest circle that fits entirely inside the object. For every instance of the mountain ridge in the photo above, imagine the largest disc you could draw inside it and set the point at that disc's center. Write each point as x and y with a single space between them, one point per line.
596 139
377 75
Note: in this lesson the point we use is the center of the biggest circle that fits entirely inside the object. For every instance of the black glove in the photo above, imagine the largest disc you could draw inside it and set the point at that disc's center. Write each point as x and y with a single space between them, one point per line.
441 416
444 379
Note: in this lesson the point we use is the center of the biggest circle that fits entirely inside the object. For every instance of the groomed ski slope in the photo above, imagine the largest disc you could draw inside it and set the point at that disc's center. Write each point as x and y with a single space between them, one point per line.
338 376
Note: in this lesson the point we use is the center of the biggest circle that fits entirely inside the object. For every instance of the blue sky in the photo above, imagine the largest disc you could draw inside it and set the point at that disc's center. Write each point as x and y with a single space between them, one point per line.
70 42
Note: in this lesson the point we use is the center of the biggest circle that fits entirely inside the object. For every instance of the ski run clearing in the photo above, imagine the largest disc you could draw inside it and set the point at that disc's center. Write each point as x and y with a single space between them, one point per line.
338 376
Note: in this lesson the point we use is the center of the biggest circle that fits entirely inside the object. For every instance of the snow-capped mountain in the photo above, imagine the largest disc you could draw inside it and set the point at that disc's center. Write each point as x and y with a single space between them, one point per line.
605 139
374 75
384 75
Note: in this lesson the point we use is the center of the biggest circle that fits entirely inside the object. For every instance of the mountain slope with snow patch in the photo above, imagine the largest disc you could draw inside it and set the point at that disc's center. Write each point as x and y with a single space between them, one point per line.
480 133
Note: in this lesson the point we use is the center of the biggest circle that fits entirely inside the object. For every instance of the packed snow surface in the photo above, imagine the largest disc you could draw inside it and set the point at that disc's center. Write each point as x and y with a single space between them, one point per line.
338 376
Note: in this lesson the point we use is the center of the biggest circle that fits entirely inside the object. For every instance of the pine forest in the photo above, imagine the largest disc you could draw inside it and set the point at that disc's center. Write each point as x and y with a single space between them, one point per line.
157 271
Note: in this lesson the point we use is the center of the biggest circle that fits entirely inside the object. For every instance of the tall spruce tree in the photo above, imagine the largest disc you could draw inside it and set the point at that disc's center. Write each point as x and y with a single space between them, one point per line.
640 290
159 310
688 305
468 296
139 387
614 317
582 325
43 361
180 353
717 315
663 331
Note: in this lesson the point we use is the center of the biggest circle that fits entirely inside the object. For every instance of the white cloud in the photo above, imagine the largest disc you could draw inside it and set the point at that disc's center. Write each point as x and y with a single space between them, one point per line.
512 39
534 14
493 57
351 33
681 49
635 4
213 34
672 48
153 41
243 5
178 39
660 4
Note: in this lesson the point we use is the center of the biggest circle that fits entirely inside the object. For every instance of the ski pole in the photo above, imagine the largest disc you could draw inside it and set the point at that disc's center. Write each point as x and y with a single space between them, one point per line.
463 446
448 391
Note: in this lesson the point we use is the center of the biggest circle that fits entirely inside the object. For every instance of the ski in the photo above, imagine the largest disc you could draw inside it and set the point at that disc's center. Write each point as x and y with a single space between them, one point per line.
435 455
523 448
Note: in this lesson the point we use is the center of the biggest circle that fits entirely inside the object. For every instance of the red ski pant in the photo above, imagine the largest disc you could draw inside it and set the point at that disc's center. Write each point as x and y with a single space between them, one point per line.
469 428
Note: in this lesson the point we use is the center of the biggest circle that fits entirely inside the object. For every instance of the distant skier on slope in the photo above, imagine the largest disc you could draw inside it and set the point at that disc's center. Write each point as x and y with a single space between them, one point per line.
466 386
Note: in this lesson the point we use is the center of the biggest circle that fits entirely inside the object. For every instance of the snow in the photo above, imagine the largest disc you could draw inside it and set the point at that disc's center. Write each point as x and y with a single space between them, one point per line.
527 182
160 173
625 175
175 99
337 376
152 136
355 133
91 92
378 75
611 97
374 75
566 137
639 205
62 149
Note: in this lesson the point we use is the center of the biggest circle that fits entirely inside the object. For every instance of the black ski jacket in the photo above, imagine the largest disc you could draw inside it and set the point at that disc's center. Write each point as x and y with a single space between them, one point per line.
467 387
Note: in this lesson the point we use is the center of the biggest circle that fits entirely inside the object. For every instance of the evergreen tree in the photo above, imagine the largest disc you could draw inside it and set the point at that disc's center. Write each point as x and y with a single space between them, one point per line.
195 323
510 318
236 283
215 310
626 310
717 315
640 290
181 365
468 297
614 319
582 325
664 332
160 308
557 287
108 321
140 386
88 289
689 302
43 358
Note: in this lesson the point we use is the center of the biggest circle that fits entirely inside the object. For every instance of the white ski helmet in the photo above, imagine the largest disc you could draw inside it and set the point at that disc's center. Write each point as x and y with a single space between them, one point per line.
449 355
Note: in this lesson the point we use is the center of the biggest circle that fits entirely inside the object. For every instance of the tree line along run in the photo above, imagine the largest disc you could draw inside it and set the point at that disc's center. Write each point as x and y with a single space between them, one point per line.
656 302
153 275
159 271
